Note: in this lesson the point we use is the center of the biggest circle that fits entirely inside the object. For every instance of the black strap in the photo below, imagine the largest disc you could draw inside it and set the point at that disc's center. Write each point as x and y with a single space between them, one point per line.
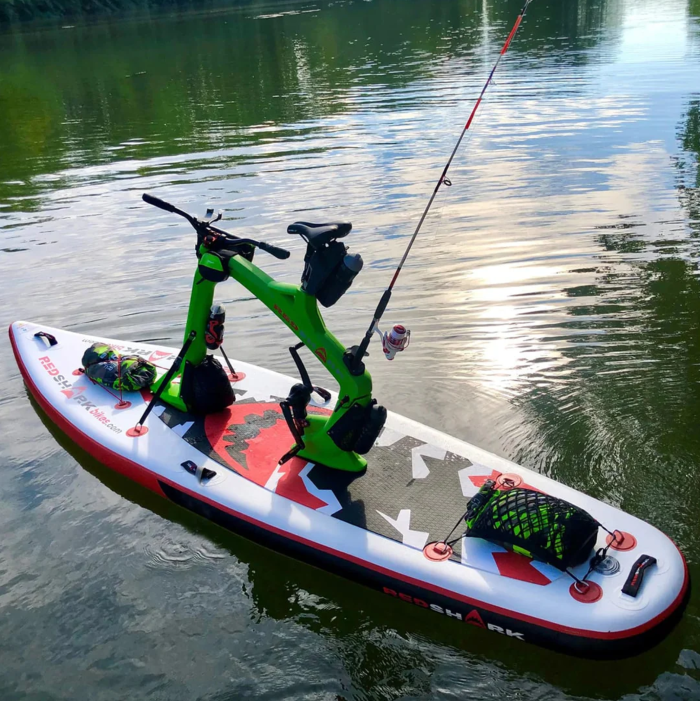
304 373
166 379
291 423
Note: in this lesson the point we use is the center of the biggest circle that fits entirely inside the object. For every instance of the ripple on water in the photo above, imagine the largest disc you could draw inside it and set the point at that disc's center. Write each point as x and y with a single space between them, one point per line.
552 297
175 555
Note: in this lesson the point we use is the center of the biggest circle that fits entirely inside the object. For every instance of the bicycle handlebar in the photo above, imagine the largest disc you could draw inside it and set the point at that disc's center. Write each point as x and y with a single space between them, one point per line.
157 202
281 253
275 251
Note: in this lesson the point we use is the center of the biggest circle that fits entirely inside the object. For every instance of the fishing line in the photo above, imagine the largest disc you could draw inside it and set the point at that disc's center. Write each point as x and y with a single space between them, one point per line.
358 352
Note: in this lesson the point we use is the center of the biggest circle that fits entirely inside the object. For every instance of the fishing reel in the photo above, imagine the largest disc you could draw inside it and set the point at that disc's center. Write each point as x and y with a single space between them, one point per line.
394 341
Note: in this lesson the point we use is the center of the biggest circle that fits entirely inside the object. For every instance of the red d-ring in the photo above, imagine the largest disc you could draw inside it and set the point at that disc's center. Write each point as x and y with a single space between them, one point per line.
122 404
135 433
586 592
437 552
78 371
508 480
622 541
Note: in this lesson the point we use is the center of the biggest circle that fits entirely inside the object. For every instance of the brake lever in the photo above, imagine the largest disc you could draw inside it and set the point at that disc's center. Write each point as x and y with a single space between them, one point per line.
235 241
209 217
208 233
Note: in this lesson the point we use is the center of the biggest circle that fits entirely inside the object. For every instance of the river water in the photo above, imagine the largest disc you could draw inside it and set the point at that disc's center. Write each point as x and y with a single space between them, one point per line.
553 298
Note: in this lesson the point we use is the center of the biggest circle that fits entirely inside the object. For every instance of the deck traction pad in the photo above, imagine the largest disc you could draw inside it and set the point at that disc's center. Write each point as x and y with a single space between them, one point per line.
386 487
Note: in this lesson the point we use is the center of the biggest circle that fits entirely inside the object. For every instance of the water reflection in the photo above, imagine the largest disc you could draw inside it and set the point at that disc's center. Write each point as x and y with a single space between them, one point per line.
140 90
630 398
552 296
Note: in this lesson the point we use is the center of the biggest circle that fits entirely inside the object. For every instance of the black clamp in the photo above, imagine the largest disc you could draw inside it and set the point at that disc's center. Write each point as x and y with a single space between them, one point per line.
294 412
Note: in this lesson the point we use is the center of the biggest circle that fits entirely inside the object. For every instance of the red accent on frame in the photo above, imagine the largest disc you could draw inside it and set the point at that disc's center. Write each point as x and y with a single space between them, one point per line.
148 479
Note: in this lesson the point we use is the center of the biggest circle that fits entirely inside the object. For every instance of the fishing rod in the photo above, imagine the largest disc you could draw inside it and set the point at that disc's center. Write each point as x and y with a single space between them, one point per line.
358 352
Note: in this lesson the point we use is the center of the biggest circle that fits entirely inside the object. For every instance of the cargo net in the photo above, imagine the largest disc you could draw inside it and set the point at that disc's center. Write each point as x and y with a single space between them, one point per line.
535 524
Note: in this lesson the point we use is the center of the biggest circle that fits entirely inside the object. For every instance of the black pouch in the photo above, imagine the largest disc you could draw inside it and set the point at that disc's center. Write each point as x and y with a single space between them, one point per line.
339 281
329 272
537 525
319 265
359 427
205 387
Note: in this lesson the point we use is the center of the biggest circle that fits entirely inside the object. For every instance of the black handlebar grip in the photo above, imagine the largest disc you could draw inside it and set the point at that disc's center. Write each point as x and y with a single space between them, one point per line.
277 252
157 202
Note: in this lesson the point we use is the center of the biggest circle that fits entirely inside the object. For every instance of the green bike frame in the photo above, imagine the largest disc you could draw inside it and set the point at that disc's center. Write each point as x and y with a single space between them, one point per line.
300 312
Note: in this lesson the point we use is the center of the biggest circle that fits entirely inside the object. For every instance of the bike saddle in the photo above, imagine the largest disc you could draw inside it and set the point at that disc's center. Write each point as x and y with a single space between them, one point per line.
317 235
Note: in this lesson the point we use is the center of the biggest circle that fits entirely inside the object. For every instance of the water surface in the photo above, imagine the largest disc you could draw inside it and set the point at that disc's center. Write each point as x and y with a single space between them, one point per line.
553 298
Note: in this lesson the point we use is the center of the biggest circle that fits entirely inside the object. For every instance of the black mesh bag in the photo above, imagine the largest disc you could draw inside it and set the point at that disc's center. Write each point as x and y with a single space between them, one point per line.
537 525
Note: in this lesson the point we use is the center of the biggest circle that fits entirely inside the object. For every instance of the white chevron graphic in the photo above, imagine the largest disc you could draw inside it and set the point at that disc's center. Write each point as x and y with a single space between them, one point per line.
389 437
416 539
419 468
327 495
181 429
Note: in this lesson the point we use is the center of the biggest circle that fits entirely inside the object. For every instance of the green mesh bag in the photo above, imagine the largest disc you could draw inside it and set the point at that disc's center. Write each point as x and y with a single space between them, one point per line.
537 525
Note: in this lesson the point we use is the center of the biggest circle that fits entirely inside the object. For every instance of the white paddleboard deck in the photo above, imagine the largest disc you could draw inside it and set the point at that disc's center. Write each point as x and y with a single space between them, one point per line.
370 527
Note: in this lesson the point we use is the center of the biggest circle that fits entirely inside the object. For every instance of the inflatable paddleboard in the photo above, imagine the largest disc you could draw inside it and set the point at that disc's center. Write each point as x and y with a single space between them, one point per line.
372 527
